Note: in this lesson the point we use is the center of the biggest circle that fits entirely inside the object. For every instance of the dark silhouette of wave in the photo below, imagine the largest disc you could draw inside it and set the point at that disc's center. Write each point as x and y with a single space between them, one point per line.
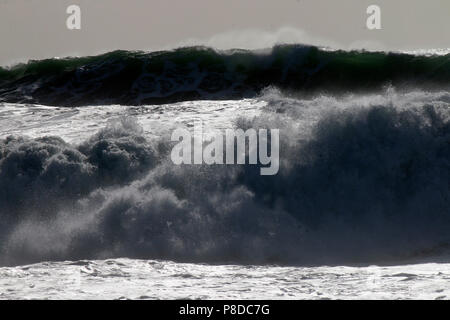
136 78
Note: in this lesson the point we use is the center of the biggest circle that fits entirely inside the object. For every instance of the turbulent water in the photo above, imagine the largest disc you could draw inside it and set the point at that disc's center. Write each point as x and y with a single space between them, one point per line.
150 279
364 178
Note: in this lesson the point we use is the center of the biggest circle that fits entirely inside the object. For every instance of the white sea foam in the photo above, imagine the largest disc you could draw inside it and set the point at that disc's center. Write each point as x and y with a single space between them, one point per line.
150 279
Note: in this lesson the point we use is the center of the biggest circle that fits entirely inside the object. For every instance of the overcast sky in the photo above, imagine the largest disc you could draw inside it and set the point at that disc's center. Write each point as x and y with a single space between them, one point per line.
37 28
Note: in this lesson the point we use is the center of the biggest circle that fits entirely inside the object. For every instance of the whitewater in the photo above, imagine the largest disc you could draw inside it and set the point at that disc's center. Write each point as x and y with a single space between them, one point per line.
122 279
92 207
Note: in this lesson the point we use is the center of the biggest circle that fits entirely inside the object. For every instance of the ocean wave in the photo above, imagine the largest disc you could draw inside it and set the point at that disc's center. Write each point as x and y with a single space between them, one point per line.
363 183
137 78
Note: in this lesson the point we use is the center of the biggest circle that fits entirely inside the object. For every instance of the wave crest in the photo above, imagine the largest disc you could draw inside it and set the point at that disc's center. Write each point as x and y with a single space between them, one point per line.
136 78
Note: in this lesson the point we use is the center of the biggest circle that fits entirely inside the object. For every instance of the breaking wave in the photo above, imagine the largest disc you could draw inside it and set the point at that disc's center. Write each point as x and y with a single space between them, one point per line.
367 182
135 78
